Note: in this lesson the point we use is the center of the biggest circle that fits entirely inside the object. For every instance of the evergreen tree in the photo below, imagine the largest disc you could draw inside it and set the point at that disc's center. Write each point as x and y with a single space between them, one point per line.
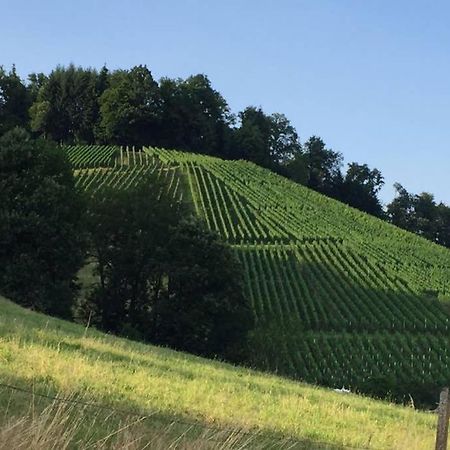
14 101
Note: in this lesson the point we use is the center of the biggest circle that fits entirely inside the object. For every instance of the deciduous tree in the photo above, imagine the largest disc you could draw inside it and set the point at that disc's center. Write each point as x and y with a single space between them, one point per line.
324 165
360 187
40 232
195 117
130 108
162 278
66 105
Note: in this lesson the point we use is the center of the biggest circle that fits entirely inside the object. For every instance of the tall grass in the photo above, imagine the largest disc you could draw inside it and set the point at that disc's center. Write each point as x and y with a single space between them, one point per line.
171 388
66 425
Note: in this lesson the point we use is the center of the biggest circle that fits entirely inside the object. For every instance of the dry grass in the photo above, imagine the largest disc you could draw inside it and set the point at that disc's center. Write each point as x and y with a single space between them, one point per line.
61 426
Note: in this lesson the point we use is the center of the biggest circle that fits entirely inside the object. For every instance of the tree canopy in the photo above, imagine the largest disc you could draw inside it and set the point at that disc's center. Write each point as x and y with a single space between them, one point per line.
65 109
14 101
194 116
163 277
360 187
130 108
40 215
420 214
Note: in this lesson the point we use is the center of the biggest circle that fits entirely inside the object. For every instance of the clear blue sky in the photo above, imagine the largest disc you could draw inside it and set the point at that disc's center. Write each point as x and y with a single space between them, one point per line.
372 78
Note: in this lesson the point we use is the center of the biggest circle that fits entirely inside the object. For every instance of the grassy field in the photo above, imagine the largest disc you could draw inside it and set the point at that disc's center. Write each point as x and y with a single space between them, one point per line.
175 399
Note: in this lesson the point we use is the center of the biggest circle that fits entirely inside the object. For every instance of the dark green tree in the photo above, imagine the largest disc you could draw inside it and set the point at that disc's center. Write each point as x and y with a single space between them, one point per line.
426 216
268 140
66 105
195 117
163 279
40 217
360 187
324 166
253 137
443 226
296 168
204 311
128 232
101 84
401 210
35 83
14 101
130 108
284 141
420 214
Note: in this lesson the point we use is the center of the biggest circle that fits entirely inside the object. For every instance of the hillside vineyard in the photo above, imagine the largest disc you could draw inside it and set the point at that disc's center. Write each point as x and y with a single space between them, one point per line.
339 297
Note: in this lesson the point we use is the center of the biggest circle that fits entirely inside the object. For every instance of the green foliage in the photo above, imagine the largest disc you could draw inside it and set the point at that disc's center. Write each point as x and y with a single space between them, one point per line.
360 188
204 310
254 136
35 83
420 214
323 165
40 242
388 385
14 101
130 108
128 229
284 141
194 116
297 168
82 156
115 167
66 108
161 279
311 274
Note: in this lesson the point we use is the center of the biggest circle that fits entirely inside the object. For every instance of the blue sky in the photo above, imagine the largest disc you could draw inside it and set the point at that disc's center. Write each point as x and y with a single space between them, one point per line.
372 78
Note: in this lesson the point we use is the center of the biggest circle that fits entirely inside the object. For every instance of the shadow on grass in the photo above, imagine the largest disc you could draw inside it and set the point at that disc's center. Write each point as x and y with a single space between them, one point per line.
96 419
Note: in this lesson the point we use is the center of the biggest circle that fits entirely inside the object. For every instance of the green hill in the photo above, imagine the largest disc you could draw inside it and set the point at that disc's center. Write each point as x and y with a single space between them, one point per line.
185 401
340 298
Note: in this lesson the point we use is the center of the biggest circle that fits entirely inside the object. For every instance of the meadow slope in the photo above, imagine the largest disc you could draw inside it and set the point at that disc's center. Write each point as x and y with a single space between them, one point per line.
183 394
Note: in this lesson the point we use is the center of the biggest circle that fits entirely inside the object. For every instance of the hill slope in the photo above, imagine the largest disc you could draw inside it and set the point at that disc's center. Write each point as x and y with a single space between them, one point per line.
181 394
340 298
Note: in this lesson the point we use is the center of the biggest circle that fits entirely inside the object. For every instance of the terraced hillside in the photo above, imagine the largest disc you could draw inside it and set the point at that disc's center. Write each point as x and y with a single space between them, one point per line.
340 298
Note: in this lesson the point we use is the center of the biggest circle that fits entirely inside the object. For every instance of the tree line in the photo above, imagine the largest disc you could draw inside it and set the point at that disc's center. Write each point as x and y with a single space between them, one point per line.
129 107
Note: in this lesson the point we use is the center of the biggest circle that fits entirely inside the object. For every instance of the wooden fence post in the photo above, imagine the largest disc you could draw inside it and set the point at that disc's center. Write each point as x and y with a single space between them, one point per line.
443 418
